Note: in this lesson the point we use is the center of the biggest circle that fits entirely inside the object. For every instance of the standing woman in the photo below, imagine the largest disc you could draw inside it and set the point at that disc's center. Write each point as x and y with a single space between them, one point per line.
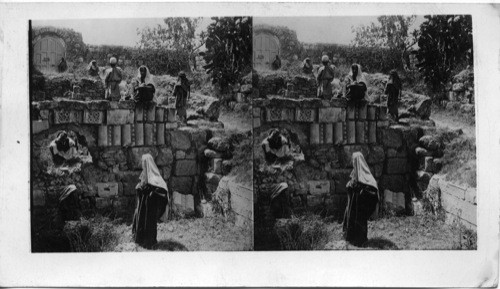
114 76
393 91
326 73
152 197
362 199
182 91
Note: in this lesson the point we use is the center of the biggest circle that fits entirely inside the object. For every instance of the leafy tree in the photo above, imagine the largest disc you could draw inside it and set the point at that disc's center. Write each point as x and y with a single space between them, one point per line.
392 32
178 33
445 42
229 50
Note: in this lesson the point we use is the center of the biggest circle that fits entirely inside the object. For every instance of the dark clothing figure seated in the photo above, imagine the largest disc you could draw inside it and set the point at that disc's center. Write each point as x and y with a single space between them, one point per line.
143 89
275 147
152 199
63 148
280 201
362 199
356 85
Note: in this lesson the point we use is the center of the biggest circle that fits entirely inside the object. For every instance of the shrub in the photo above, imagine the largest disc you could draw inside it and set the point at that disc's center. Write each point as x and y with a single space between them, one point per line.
95 234
304 233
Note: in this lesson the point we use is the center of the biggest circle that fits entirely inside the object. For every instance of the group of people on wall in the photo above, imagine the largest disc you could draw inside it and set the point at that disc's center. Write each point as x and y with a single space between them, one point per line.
355 84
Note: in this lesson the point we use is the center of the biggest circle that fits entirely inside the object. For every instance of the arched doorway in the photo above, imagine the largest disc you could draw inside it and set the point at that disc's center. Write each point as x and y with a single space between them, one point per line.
47 53
265 49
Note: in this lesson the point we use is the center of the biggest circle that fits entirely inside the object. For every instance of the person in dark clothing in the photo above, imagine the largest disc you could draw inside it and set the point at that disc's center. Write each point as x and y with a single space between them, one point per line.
326 74
69 204
393 91
182 92
93 69
356 84
63 65
307 66
276 63
142 86
152 196
280 201
362 199
275 146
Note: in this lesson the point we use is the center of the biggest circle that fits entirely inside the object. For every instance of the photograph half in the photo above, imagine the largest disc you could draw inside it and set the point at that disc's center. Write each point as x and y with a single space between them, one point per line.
141 134
364 133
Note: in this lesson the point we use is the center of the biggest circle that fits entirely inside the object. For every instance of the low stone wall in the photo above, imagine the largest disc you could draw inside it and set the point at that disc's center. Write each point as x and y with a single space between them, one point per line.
117 135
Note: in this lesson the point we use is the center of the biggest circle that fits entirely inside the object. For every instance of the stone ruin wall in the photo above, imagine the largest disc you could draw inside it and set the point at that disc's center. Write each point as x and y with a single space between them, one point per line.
328 133
118 134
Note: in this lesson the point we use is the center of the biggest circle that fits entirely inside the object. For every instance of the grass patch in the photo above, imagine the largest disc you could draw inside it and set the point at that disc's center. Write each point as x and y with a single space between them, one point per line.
307 232
96 234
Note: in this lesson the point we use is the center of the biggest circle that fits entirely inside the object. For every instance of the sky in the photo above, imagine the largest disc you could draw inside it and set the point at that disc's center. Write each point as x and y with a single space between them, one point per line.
110 31
324 29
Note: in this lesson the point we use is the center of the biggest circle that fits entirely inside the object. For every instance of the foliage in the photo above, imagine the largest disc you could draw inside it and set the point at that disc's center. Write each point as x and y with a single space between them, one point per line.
178 34
304 233
75 47
289 44
95 234
444 43
392 32
102 54
229 50
160 61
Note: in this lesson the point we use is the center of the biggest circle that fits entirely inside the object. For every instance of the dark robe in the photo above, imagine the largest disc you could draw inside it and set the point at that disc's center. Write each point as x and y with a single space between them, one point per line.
93 71
150 201
280 201
361 203
181 92
392 91
276 64
144 93
356 92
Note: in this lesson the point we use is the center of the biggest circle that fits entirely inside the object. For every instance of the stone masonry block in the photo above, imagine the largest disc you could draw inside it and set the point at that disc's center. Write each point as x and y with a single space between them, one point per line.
287 114
180 140
372 132
360 132
460 208
273 114
331 114
139 134
44 114
68 116
453 190
256 112
160 134
397 166
319 187
371 112
135 156
392 138
395 183
351 112
126 134
382 113
362 110
39 126
305 115
256 122
93 116
107 190
165 157
139 113
338 133
351 132
119 116
182 185
102 136
185 168
329 133
170 114
151 113
314 134
171 125
159 117
216 165
148 134
117 135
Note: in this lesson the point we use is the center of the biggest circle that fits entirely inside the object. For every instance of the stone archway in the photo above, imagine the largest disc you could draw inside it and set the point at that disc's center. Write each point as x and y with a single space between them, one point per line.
265 48
47 52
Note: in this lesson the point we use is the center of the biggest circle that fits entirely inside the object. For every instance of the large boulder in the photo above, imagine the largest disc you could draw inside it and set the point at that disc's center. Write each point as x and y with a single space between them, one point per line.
422 108
431 143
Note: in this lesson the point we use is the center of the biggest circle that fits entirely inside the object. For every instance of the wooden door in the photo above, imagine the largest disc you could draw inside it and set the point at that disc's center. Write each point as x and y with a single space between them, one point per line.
47 53
265 49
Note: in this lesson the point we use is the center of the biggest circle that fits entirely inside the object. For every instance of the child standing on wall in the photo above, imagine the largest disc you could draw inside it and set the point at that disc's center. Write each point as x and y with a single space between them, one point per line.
182 92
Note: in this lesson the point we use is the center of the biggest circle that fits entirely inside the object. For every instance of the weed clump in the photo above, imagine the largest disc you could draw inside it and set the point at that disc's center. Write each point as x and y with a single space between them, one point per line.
303 233
94 234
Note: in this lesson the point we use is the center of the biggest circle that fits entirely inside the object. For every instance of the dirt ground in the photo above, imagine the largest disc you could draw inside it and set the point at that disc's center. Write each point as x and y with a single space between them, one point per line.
424 232
203 234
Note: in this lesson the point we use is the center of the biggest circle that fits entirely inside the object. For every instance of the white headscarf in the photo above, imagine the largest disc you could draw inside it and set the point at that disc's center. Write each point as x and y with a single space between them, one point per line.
150 173
148 79
360 77
361 172
90 64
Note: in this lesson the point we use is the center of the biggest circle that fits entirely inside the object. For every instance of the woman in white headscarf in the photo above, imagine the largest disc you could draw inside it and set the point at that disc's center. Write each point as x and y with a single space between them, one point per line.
143 88
356 84
152 198
93 69
362 199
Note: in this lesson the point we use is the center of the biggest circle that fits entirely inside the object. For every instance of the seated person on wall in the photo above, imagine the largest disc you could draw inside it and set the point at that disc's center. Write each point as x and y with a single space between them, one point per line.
307 66
63 148
93 69
275 147
356 84
112 79
280 201
69 204
326 74
143 89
